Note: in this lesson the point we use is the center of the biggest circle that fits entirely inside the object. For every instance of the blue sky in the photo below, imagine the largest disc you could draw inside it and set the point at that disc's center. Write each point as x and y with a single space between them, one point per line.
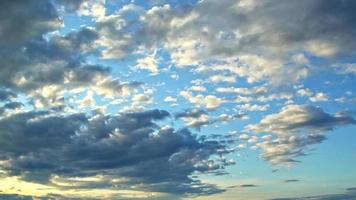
158 99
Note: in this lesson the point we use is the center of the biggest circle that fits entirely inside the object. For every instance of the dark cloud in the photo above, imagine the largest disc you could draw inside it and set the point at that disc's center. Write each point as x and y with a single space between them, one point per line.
15 197
39 145
194 113
242 186
23 20
10 106
349 195
291 180
351 189
247 185
57 65
6 95
46 197
42 64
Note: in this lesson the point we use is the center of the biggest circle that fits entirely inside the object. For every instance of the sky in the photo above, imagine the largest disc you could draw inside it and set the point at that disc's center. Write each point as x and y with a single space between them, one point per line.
178 99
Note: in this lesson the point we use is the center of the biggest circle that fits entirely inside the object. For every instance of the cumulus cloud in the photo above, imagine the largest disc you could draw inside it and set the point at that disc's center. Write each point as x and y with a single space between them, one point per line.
253 34
197 118
319 97
296 128
40 145
58 116
208 101
149 63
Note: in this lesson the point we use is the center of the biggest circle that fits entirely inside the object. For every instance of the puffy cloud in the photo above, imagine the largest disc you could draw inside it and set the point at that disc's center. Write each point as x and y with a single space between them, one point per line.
251 39
40 145
197 88
170 99
221 78
319 97
209 101
44 69
245 91
253 107
149 63
304 92
296 128
298 118
197 118
32 20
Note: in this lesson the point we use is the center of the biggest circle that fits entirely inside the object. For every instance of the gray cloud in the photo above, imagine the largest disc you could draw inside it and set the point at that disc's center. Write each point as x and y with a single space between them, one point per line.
44 69
6 95
291 180
262 45
39 145
198 118
23 20
295 128
15 197
248 185
294 118
350 194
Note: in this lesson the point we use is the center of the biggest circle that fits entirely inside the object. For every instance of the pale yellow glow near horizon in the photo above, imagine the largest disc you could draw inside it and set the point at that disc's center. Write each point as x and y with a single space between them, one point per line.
14 185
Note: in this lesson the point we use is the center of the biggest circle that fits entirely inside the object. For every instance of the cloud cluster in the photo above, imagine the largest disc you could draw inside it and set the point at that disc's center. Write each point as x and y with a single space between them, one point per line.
59 123
45 65
197 118
295 128
40 145
249 36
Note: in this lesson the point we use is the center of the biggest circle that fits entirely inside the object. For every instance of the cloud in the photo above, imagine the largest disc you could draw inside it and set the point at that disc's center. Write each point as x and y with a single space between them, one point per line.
46 69
248 185
319 97
295 118
32 20
296 128
243 186
208 101
254 107
6 95
51 131
15 197
197 118
39 145
149 63
251 39
345 68
170 99
348 195
291 180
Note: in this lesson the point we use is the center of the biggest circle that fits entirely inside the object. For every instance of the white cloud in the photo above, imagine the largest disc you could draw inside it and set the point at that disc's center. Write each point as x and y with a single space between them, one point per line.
149 63
209 101
253 107
197 88
304 92
222 78
170 99
319 97
295 127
